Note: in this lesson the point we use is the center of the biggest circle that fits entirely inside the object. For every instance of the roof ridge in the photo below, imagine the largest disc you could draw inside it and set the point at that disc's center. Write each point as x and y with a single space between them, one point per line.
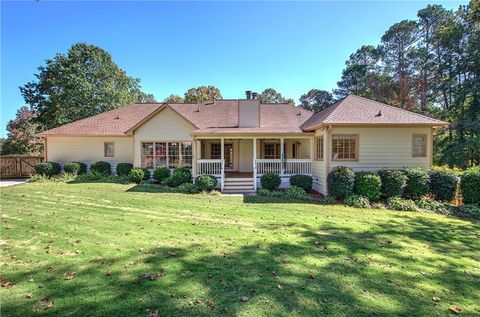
396 108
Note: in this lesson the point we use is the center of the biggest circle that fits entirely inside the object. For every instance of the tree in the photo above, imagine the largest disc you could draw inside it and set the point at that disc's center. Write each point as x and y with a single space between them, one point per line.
202 94
82 83
316 100
21 137
270 95
174 99
145 98
398 48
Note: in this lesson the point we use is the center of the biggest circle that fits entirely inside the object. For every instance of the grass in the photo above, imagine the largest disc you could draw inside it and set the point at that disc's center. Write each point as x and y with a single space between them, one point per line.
91 248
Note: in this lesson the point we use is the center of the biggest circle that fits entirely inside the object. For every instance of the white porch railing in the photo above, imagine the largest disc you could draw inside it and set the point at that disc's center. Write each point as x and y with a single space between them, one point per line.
209 167
287 167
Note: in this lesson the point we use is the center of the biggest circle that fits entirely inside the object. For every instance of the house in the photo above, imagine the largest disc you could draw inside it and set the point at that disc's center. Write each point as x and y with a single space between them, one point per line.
238 141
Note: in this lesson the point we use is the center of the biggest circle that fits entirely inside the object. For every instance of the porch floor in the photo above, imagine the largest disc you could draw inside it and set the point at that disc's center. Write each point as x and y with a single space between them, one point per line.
234 174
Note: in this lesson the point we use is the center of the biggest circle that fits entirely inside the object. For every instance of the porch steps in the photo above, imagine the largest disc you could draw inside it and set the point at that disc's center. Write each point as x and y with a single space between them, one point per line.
238 186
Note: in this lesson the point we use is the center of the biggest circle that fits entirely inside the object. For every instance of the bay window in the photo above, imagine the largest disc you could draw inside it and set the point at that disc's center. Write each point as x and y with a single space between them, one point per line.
168 154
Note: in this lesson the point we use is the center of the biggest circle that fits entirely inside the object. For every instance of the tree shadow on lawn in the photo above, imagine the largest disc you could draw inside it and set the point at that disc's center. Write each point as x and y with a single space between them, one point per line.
329 270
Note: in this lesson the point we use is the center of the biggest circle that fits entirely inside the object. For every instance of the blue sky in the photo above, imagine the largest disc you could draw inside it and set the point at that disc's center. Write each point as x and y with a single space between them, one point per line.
236 46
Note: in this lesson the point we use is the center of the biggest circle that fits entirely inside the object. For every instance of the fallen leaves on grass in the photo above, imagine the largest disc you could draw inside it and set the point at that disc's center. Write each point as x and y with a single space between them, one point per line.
109 273
69 276
6 284
436 299
456 310
279 286
29 295
153 314
244 299
148 277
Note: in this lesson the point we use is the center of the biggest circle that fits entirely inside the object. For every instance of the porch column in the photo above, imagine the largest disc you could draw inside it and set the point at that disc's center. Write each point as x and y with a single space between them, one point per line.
222 156
312 148
255 164
194 158
282 169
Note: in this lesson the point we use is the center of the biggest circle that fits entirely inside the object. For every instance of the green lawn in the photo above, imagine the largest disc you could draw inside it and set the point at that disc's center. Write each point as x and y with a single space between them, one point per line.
80 248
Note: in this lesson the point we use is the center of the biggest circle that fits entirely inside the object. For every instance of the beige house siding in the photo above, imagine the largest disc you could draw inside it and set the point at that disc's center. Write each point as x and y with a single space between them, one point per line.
245 155
63 149
249 113
167 125
385 147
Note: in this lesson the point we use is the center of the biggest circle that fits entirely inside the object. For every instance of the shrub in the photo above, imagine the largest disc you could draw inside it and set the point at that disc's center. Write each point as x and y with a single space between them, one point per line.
206 183
48 169
417 182
470 184
397 203
393 182
471 210
303 181
270 181
340 182
277 194
433 206
95 176
443 184
263 192
124 169
167 181
295 192
328 200
180 176
357 201
101 167
38 178
160 173
378 206
75 168
188 188
146 174
368 185
136 175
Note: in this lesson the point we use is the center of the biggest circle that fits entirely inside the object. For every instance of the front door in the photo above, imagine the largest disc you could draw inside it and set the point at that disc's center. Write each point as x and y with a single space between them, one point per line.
228 156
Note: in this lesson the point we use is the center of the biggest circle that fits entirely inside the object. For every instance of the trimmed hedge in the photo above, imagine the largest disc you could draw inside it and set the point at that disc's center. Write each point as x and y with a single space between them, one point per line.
180 176
101 167
136 175
123 169
357 201
270 181
48 169
146 174
470 184
303 181
206 183
443 184
368 185
340 182
160 173
295 192
328 200
471 210
188 188
77 168
417 182
393 182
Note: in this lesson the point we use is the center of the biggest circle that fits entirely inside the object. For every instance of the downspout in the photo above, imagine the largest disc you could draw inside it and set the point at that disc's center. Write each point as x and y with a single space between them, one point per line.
326 154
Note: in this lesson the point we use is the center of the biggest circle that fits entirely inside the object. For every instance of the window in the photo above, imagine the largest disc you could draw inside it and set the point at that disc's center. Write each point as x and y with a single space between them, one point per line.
169 154
344 147
294 150
216 151
271 151
419 145
319 148
108 149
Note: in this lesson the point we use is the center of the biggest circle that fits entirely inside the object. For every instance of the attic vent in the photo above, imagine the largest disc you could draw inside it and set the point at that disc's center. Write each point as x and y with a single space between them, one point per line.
379 114
116 117
299 113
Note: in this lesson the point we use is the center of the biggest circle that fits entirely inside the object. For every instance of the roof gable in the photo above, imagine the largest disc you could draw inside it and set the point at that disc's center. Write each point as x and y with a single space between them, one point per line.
355 110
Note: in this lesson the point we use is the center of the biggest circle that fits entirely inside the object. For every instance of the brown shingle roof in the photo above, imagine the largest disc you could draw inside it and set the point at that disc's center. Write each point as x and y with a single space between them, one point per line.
357 110
209 115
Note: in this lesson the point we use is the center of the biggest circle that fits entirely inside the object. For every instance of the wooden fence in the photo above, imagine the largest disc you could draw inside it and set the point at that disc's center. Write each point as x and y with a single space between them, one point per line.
18 166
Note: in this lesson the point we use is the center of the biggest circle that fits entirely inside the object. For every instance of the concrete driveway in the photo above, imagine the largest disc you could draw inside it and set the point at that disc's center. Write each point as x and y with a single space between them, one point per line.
11 182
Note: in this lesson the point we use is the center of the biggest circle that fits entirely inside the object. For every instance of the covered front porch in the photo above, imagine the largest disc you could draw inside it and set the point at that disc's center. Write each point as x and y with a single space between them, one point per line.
235 159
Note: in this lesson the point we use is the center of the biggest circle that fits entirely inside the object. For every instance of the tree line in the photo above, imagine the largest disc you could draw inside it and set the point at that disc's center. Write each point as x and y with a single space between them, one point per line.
430 65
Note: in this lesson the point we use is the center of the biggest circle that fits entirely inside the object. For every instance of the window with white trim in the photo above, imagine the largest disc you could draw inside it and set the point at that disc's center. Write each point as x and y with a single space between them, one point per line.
169 154
419 145
319 148
344 147
108 149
